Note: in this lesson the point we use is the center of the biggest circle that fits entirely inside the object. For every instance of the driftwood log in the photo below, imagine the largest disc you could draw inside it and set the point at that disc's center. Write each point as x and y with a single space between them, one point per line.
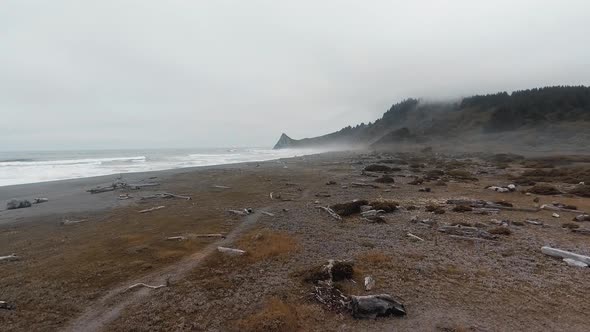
71 222
372 306
414 237
11 257
231 251
559 209
268 213
221 187
565 254
152 209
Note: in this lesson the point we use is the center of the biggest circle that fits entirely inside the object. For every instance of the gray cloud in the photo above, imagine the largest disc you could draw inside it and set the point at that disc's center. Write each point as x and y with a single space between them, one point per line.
105 74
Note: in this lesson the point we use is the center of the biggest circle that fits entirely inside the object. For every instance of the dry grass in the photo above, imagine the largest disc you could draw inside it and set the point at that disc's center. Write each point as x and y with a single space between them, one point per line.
544 189
277 315
265 244
374 258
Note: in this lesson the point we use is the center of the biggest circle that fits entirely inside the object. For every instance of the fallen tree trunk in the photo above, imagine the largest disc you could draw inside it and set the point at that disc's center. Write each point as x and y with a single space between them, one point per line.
152 209
372 306
166 195
99 190
231 251
565 254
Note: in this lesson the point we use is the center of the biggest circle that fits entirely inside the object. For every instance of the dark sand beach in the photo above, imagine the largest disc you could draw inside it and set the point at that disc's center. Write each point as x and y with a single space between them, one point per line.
76 276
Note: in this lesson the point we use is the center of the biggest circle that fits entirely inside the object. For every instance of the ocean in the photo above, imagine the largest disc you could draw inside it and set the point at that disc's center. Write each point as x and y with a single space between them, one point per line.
41 166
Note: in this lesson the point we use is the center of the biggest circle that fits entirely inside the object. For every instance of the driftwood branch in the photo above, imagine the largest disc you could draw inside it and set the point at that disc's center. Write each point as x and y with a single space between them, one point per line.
141 284
466 231
11 257
221 187
330 212
557 208
166 195
231 251
152 209
71 222
268 213
412 236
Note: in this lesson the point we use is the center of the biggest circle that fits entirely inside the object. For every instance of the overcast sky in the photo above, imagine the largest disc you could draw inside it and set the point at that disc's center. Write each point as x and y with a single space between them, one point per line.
147 73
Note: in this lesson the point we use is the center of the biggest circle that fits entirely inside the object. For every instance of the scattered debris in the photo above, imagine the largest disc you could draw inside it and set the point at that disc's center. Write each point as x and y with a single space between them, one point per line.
152 209
9 258
372 306
369 283
231 251
120 184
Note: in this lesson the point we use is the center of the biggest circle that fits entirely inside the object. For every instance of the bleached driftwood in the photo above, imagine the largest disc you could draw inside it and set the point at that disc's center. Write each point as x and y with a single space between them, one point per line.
565 254
369 283
360 184
231 251
221 187
152 209
534 222
330 212
40 200
176 238
268 213
478 203
11 257
140 185
412 236
141 284
372 306
557 208
166 195
575 263
71 222
582 217
239 212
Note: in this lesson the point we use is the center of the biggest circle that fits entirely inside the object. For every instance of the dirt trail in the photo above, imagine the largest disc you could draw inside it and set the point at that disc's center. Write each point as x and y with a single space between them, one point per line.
109 307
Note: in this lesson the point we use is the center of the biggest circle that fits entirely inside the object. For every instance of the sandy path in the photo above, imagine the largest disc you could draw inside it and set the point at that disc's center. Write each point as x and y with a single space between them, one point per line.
110 306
